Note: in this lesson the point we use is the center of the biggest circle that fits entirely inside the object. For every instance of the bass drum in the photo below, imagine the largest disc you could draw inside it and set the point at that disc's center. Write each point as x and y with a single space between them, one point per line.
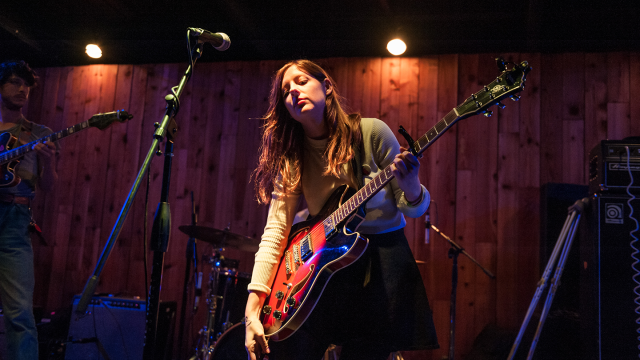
230 345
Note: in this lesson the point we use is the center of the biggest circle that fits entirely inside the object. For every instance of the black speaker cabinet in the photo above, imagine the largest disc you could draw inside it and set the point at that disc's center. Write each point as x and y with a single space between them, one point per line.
116 326
607 307
3 339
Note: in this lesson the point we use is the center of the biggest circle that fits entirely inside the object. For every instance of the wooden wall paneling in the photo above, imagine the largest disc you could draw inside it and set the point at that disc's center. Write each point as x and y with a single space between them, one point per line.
356 82
573 158
508 255
389 91
486 210
634 91
596 117
372 82
214 113
245 152
573 79
530 125
573 154
551 137
227 181
618 95
468 142
618 77
65 254
529 186
618 126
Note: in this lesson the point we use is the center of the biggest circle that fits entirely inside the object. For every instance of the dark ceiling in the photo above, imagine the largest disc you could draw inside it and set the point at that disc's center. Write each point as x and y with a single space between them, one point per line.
54 33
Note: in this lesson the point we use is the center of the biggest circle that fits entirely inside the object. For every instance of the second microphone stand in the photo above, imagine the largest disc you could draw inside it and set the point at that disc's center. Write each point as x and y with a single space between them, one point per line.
454 251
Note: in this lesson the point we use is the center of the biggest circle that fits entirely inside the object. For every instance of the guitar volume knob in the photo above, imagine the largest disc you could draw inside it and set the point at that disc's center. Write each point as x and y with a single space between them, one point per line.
291 301
277 314
279 295
266 309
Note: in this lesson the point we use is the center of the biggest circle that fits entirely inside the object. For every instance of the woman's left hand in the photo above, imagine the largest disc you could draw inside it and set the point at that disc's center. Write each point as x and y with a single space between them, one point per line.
406 168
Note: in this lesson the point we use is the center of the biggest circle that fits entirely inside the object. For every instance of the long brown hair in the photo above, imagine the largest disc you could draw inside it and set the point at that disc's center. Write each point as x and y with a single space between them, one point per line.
282 150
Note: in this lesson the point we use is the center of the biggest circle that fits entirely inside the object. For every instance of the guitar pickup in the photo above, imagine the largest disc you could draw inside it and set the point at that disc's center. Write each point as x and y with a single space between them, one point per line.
296 254
306 248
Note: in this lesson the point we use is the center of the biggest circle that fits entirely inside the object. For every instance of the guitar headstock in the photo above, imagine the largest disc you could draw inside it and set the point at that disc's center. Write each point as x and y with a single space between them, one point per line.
103 120
508 84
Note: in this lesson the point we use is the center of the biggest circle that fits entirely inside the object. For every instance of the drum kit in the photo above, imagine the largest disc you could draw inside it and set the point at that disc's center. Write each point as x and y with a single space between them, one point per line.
222 336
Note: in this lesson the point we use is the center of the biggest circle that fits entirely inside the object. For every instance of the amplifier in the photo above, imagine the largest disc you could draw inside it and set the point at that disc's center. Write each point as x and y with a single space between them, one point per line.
608 171
115 327
609 328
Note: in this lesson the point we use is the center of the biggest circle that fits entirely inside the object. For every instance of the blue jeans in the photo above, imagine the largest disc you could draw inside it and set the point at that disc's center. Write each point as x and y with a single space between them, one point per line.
17 282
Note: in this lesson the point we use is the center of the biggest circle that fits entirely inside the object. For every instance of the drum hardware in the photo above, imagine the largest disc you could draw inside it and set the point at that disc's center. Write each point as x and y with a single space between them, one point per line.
221 239
226 285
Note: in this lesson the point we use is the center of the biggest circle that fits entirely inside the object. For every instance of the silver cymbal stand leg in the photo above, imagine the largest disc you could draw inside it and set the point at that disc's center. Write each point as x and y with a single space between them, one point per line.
561 250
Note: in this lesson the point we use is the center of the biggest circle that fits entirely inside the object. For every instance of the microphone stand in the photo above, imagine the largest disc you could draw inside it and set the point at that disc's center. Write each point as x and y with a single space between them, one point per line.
191 254
162 221
454 251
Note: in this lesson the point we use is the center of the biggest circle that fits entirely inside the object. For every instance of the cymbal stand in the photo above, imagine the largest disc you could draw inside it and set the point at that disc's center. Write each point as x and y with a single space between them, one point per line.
561 249
454 251
191 254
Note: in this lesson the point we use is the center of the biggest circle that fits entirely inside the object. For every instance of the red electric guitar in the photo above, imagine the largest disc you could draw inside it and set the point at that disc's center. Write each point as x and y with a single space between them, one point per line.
319 247
9 156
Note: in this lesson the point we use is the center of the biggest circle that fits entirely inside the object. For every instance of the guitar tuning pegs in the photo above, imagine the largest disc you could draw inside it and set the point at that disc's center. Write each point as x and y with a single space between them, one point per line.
515 97
501 105
488 113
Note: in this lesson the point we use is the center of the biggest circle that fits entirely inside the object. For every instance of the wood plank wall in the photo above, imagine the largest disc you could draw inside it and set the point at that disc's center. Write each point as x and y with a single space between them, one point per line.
484 174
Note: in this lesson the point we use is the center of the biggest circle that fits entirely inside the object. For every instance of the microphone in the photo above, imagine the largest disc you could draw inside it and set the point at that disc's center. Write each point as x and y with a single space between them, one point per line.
427 225
219 41
198 291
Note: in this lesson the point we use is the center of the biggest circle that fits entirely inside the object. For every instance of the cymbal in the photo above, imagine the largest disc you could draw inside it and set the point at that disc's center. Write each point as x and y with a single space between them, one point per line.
221 238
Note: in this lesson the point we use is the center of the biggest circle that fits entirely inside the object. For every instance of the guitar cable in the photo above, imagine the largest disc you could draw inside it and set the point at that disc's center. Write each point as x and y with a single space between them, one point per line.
634 254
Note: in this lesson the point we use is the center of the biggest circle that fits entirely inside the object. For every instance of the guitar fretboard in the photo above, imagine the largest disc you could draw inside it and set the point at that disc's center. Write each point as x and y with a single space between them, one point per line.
375 185
13 154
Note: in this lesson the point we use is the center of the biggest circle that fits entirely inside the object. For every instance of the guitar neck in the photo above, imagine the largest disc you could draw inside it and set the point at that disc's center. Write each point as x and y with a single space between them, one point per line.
377 183
20 151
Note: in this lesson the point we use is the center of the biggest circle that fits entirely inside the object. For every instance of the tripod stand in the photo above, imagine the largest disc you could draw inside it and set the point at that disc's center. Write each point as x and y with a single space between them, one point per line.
562 247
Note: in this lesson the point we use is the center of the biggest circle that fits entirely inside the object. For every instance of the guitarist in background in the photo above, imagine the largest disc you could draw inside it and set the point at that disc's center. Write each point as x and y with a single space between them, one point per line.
378 304
16 254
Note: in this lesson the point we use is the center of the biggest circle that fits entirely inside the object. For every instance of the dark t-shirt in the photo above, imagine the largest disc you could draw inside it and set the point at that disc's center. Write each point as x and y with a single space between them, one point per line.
29 169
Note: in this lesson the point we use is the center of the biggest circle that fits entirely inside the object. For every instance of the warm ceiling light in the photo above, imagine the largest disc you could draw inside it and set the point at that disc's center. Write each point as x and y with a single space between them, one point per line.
396 47
94 51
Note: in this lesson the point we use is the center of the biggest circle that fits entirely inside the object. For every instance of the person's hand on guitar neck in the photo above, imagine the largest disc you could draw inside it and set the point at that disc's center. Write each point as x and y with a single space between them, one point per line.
406 168
255 342
47 158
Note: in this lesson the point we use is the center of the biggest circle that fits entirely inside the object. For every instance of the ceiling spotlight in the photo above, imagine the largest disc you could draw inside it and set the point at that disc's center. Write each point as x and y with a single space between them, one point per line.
94 51
396 47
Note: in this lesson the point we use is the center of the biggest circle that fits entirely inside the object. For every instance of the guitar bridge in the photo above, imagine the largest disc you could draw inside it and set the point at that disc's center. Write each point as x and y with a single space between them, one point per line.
287 262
